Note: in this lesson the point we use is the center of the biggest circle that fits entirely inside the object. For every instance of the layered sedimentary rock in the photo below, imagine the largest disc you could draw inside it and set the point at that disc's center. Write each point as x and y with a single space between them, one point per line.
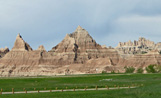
3 51
137 47
81 47
77 53
77 49
139 53
158 46
20 59
141 42
72 55
142 60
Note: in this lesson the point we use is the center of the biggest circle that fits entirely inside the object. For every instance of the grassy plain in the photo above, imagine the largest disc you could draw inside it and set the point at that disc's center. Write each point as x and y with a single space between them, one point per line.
151 86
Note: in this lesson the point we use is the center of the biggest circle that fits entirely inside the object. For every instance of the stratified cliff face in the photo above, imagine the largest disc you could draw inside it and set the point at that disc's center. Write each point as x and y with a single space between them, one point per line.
79 39
84 40
74 54
139 53
77 53
80 47
141 42
138 47
142 60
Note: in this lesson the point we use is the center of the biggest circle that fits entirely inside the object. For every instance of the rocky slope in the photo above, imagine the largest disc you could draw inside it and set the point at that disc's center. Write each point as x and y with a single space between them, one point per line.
76 54
142 60
3 52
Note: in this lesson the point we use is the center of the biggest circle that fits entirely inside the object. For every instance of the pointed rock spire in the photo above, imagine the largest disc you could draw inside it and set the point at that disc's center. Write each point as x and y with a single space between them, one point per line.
79 38
41 48
21 45
4 50
19 35
79 28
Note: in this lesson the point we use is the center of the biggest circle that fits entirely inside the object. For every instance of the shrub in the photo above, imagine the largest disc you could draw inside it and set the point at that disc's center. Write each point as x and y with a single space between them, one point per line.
140 70
159 52
151 69
113 72
143 52
129 69
158 68
104 72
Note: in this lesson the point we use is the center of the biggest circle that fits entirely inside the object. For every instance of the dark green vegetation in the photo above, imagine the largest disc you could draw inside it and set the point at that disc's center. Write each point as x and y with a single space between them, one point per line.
129 69
151 86
153 68
140 70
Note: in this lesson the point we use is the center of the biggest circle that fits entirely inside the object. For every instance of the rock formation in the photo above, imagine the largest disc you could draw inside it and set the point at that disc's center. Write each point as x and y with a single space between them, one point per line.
3 51
41 48
77 53
74 54
137 47
21 45
81 47
142 60
139 53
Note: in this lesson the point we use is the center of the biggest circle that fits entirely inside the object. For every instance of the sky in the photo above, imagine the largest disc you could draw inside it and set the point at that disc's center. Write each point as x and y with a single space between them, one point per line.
46 22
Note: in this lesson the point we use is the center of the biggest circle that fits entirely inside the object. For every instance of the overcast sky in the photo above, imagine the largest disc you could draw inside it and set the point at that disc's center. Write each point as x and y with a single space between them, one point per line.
46 22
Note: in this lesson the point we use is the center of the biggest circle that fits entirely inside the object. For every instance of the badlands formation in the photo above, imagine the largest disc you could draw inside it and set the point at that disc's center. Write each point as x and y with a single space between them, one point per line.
77 53
138 47
3 51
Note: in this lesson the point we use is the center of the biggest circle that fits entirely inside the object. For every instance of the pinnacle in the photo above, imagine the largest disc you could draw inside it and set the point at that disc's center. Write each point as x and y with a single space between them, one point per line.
19 36
79 28
41 48
21 45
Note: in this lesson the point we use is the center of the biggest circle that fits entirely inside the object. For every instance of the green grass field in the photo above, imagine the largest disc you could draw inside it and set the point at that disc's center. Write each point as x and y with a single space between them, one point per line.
151 86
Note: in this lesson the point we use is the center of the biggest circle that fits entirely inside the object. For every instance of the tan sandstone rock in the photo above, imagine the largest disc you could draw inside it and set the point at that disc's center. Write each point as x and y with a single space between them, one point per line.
77 53
41 48
21 45
137 47
3 51
74 54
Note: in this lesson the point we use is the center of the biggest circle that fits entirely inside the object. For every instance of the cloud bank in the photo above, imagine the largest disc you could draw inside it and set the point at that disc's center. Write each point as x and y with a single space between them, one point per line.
108 21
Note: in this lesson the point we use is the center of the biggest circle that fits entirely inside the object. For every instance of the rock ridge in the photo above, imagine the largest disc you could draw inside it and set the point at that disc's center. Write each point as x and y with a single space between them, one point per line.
138 47
77 53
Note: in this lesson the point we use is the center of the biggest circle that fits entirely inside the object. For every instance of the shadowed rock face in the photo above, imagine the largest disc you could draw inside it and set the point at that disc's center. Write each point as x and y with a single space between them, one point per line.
79 41
83 40
3 52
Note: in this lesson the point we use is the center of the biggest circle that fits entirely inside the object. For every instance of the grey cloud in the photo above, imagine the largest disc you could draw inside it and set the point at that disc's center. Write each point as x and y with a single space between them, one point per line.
47 21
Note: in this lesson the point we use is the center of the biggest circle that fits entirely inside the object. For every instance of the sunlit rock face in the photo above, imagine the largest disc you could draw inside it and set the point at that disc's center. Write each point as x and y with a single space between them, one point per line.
21 45
137 47
77 53
80 46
